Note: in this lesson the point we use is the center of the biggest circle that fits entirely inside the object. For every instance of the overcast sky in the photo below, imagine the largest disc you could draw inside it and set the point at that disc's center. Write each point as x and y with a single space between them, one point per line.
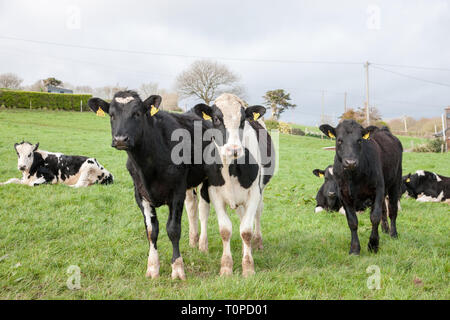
406 33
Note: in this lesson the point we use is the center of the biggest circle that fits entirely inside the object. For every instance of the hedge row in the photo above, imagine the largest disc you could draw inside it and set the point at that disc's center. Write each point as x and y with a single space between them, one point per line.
40 100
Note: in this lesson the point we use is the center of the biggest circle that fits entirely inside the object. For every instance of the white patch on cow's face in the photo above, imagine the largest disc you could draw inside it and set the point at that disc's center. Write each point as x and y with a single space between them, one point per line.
25 156
124 100
420 172
437 177
231 106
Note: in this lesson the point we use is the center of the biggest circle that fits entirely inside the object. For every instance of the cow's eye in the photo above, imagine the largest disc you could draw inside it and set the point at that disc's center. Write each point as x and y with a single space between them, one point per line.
136 114
29 156
216 121
359 141
112 117
339 141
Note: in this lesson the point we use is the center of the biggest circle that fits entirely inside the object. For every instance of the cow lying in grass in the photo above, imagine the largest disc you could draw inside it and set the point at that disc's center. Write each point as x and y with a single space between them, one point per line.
426 186
367 166
40 167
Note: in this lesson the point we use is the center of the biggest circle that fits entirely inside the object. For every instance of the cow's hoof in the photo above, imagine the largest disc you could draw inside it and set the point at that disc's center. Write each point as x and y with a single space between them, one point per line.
193 240
373 246
257 243
178 269
394 234
152 274
226 266
203 245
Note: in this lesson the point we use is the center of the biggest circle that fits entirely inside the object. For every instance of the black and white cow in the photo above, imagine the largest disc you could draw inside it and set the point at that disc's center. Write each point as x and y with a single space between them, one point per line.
40 167
426 186
367 166
246 162
327 197
145 133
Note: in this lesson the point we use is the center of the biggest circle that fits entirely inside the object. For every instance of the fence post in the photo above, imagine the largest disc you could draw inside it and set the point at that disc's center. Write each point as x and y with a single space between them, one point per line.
81 105
30 104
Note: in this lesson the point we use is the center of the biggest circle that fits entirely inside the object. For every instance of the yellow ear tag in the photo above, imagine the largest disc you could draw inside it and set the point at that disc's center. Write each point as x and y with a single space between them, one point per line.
366 136
256 115
330 134
320 175
100 112
408 180
205 116
153 110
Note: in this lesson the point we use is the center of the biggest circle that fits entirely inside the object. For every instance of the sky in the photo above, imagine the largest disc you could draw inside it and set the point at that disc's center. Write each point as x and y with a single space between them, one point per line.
313 49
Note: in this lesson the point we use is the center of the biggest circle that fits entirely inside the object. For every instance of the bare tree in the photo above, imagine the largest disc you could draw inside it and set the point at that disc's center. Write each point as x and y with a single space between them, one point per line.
107 92
206 79
147 89
38 86
10 81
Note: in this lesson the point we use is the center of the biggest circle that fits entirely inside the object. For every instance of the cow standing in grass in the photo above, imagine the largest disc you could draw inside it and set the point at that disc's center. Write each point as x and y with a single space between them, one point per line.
43 167
367 166
246 161
145 133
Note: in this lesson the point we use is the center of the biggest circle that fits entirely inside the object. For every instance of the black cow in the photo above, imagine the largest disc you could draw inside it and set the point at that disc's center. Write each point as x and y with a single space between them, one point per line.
426 186
145 133
367 166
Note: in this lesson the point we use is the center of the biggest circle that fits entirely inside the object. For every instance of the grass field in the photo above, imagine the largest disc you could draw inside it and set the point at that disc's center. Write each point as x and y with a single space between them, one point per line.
46 229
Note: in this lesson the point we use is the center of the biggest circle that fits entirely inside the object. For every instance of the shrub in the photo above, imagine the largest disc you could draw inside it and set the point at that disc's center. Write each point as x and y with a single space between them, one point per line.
284 127
433 145
39 100
297 132
272 125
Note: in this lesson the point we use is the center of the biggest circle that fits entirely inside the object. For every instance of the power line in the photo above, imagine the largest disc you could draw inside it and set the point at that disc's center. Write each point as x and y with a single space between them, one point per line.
414 78
411 67
179 55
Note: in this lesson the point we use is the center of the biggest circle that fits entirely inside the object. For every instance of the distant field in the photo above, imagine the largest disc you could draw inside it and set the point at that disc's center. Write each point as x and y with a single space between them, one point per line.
46 229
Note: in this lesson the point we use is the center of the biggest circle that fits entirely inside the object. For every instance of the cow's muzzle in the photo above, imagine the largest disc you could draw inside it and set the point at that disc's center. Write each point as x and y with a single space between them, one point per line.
350 164
121 142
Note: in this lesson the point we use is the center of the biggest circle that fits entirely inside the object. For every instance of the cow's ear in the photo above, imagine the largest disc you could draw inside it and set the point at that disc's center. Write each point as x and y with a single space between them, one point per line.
152 103
36 146
319 173
98 105
254 112
328 130
408 178
203 111
368 131
15 146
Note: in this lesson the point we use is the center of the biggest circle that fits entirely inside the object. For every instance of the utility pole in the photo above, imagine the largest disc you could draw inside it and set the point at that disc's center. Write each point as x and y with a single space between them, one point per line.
404 121
366 65
323 107
345 101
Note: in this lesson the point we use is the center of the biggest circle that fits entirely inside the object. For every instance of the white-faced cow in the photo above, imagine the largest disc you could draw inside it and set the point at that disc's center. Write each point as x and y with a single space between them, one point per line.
41 167
367 166
246 160
426 186
145 133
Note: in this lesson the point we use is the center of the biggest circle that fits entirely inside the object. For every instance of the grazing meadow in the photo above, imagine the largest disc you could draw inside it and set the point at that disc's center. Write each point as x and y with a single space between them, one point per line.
46 229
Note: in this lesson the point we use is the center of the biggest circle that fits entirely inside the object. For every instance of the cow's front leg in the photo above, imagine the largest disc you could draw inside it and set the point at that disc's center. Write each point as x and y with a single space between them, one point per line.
352 221
246 231
226 229
12 180
173 228
257 236
152 229
191 203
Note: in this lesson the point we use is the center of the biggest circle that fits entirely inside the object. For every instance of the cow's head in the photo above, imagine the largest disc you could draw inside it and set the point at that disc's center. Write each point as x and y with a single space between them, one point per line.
228 116
25 153
350 137
329 188
128 114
